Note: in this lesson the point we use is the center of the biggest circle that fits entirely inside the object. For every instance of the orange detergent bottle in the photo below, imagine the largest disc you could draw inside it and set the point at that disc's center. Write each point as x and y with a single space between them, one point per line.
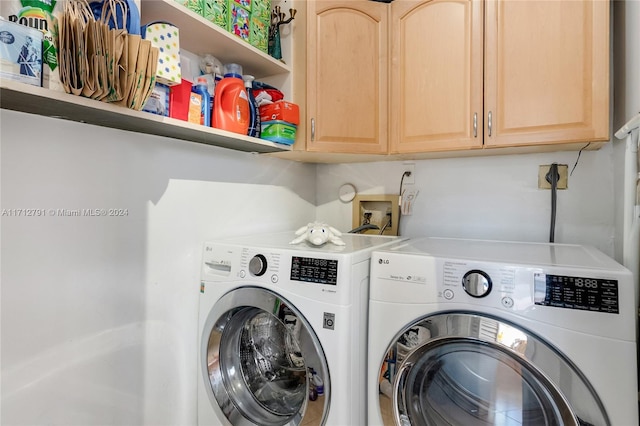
230 102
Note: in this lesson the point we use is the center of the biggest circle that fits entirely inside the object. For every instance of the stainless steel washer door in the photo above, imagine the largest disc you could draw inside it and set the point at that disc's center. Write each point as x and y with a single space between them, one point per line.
477 370
258 350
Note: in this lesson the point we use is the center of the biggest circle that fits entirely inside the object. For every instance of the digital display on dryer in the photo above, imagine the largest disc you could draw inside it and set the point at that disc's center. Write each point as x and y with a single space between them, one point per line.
309 269
586 294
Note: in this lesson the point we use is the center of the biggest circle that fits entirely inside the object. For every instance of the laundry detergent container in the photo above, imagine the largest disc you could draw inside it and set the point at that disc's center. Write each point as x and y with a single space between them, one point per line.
231 102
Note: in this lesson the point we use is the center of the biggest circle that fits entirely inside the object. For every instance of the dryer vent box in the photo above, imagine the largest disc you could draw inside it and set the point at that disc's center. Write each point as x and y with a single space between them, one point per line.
379 210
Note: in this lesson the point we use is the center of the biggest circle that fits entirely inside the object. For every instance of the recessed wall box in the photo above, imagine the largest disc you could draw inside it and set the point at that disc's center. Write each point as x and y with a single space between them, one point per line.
379 210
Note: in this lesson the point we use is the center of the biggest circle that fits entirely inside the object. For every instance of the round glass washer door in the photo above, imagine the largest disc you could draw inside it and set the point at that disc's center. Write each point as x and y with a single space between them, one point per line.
258 348
477 370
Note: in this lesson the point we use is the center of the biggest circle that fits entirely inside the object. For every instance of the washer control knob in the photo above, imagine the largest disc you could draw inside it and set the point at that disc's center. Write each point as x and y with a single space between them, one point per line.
476 283
258 265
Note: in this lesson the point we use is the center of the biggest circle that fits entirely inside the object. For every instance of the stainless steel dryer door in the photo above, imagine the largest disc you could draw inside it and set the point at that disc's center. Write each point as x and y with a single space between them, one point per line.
258 348
471 369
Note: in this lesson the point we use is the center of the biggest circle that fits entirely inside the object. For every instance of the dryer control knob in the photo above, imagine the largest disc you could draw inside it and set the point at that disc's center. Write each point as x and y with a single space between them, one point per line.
476 283
258 265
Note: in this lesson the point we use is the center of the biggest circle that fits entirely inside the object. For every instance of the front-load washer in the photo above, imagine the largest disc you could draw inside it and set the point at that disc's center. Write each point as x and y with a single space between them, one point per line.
469 332
282 331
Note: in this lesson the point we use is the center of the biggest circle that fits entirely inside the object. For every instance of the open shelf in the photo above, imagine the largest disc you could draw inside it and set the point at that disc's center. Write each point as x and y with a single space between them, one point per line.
199 36
37 100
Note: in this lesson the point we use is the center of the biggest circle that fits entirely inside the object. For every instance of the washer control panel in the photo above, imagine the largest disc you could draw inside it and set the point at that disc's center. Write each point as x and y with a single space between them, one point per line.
314 270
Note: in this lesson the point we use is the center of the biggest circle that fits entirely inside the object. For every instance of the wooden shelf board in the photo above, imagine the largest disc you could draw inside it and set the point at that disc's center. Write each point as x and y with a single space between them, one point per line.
37 100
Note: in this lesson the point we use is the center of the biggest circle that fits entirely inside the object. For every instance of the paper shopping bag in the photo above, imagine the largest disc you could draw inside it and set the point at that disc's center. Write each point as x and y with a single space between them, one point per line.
139 73
150 78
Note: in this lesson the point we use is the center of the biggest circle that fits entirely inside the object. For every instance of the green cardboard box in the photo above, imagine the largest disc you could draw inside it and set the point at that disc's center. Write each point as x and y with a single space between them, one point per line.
259 33
196 6
238 19
261 9
216 11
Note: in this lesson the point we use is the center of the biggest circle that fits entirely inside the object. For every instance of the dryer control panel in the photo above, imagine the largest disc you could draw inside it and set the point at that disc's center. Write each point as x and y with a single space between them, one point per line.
587 294
514 283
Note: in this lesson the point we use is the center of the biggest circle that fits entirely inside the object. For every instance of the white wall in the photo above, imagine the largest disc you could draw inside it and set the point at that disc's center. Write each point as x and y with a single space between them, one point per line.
626 95
98 314
494 197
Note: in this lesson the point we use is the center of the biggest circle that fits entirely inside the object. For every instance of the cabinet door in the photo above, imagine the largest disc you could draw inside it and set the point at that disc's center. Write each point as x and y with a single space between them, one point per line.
436 75
347 76
546 72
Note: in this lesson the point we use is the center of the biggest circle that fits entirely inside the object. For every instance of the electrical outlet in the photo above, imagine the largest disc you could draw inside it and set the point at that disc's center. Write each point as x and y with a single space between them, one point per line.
409 167
563 171
366 217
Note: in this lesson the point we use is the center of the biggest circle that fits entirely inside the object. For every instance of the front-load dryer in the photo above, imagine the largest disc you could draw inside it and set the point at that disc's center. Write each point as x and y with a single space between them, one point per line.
500 333
282 331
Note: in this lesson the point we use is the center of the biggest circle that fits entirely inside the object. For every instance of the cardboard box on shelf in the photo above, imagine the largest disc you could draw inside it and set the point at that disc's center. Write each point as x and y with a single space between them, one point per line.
259 33
166 37
158 102
238 21
261 9
179 98
278 131
195 108
216 11
196 6
280 111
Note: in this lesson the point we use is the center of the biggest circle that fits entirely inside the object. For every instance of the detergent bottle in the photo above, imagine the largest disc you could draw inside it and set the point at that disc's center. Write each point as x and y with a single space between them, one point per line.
230 102
205 107
254 111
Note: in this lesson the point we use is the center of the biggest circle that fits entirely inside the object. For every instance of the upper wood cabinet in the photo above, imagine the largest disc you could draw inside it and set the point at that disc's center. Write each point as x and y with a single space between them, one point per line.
498 73
347 76
546 72
436 75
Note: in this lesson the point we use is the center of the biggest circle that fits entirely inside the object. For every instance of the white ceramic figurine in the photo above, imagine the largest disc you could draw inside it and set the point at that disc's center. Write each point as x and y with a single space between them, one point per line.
318 233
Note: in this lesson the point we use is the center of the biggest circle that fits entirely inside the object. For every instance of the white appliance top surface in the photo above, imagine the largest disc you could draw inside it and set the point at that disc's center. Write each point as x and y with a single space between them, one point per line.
354 243
526 253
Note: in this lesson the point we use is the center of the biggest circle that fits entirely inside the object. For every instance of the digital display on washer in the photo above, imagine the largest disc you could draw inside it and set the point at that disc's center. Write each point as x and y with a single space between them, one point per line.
309 269
586 294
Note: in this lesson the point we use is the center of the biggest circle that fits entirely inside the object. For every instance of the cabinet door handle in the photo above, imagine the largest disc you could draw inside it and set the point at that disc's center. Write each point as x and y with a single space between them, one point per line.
475 124
490 123
313 129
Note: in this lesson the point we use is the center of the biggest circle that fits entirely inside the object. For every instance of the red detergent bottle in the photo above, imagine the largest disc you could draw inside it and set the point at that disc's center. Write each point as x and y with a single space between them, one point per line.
230 102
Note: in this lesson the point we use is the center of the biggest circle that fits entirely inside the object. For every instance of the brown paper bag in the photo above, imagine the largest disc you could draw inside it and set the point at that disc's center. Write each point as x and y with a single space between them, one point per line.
102 73
90 83
118 46
73 52
128 68
140 73
149 79
64 53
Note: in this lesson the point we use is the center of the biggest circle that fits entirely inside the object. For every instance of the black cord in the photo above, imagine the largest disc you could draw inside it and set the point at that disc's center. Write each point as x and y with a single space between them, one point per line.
577 159
553 176
406 173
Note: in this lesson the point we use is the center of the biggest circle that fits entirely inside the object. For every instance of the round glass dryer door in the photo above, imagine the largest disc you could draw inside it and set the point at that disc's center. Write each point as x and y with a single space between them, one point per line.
259 349
469 369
